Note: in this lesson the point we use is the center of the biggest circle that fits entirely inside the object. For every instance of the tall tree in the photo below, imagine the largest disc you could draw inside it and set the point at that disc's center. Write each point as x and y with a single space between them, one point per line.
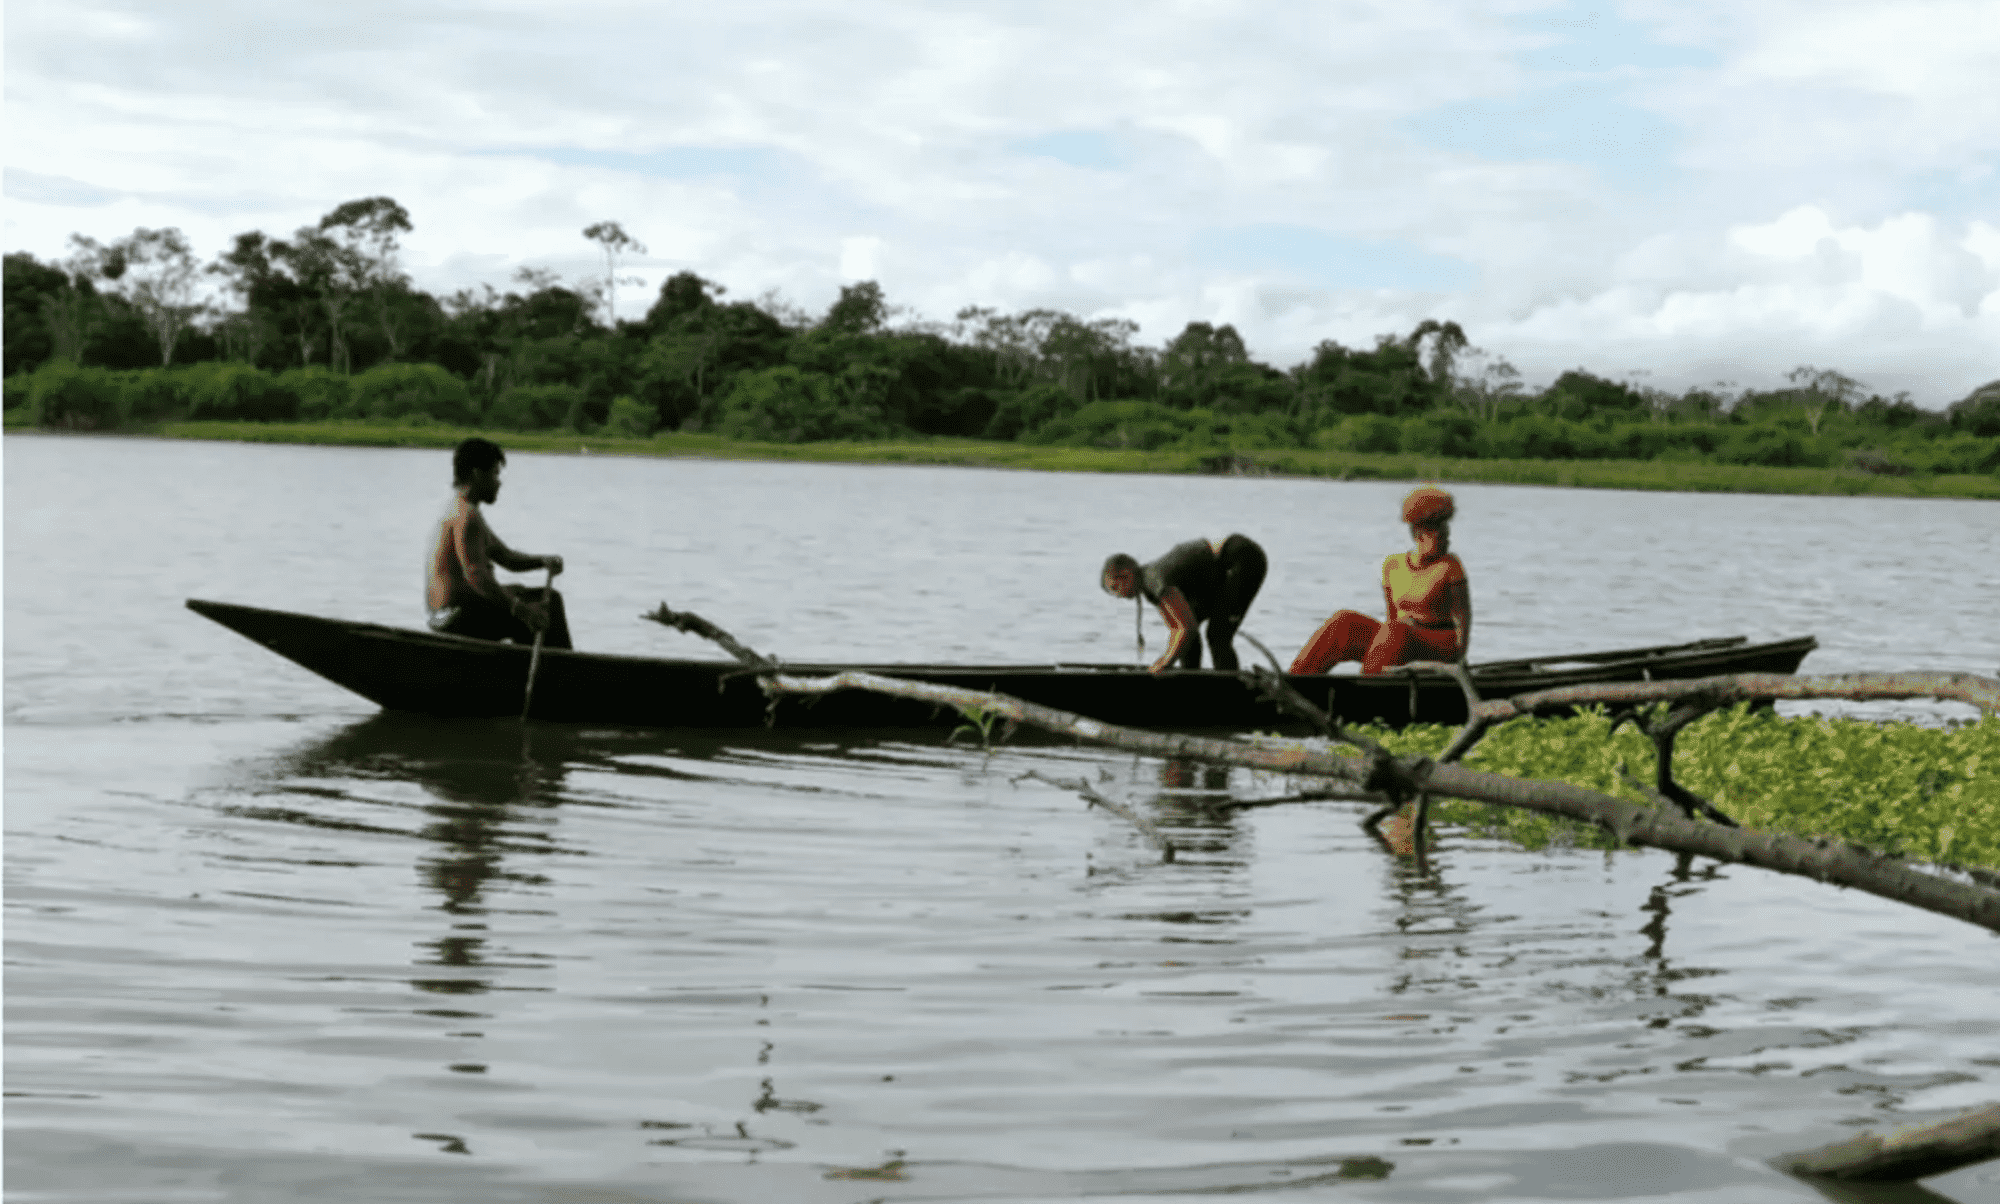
612 237
53 308
31 287
277 309
318 264
1447 342
1494 383
1338 381
155 271
1082 356
1978 412
682 294
1014 341
860 309
1821 389
1577 395
358 248
1193 359
74 311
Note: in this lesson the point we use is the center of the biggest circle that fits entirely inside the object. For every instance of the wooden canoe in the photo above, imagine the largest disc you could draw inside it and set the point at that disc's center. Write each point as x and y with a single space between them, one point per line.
401 669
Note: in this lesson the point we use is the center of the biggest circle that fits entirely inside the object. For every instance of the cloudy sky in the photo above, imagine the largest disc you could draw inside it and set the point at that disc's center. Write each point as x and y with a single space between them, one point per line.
1696 190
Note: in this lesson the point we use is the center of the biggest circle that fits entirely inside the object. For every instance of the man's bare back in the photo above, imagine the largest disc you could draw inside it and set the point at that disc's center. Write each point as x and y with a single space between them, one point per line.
462 558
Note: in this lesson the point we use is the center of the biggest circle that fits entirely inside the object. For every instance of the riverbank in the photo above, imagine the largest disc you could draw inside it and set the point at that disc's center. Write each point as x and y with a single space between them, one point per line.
1581 474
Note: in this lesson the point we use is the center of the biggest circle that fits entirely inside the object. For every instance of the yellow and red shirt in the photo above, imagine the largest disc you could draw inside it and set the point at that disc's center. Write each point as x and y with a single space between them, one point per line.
1422 595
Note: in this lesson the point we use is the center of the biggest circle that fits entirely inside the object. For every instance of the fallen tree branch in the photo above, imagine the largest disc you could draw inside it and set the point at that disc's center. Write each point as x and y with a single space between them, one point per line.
1905 1154
1146 826
1279 759
1710 693
1401 778
1379 784
1276 666
1822 860
694 624
1273 688
1303 796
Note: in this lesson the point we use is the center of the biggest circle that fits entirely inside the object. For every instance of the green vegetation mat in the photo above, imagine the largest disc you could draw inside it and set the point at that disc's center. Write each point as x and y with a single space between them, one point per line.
1335 465
1931 794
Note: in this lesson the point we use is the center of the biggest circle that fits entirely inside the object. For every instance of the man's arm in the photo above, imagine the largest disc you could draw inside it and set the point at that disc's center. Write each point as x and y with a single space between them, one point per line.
515 562
1180 626
475 543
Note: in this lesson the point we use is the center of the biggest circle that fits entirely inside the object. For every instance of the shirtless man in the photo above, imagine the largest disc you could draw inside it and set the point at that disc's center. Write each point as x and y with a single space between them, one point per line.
460 590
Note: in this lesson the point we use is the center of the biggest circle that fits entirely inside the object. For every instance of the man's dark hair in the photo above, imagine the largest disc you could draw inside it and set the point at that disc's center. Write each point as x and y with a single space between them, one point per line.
474 455
1120 562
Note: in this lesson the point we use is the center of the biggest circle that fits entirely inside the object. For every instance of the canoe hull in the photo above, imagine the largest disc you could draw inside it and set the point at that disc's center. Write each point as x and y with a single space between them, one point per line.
404 670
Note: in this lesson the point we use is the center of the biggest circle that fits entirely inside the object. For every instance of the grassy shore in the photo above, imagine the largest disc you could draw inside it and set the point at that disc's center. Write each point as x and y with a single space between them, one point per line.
1583 474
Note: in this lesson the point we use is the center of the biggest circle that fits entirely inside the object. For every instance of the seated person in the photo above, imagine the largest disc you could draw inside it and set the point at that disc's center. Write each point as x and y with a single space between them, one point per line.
1429 602
460 591
1195 582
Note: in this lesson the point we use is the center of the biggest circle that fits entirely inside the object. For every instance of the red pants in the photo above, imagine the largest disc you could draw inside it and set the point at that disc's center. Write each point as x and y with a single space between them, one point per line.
1352 636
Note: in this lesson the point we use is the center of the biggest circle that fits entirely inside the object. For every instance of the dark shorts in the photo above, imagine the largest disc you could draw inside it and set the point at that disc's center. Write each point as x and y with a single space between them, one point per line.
1243 566
482 620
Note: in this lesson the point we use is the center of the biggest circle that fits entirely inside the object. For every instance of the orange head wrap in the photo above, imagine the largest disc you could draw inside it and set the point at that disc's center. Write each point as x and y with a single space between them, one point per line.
1427 504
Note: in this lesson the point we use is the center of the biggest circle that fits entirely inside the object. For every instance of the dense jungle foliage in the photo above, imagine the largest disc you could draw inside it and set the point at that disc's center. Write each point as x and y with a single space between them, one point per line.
325 326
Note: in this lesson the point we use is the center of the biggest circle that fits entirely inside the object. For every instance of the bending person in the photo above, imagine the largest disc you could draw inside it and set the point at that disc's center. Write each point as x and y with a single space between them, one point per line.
460 591
1194 583
1428 597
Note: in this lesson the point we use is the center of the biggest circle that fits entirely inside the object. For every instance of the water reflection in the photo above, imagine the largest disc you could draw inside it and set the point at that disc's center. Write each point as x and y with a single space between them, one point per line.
492 794
1437 918
1186 805
1656 972
756 937
493 787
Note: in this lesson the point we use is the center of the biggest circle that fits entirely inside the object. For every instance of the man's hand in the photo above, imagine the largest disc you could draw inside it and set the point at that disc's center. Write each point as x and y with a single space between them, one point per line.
534 615
553 564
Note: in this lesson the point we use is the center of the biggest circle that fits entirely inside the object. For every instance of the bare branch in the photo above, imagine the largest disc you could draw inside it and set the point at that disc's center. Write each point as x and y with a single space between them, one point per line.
1822 860
1703 694
1659 827
1303 796
1475 724
694 624
1146 826
1276 758
1906 1154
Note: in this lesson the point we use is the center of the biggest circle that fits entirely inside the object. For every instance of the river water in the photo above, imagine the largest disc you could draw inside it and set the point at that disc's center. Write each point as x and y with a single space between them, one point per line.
264 943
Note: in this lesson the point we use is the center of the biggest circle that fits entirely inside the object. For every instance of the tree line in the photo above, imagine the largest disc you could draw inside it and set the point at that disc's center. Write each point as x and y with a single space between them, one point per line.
324 324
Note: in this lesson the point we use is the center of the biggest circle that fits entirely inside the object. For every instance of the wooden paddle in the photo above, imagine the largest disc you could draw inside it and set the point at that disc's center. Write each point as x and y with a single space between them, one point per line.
535 657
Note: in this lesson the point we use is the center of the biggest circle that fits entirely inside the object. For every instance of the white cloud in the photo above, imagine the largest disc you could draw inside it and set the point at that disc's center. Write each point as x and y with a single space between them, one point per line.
858 256
1907 303
1812 170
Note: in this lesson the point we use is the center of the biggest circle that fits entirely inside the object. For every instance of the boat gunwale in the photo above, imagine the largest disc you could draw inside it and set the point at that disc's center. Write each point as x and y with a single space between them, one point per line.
1492 673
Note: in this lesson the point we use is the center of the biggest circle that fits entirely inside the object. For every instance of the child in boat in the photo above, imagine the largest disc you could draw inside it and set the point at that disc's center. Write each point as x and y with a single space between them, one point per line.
1196 582
1428 598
